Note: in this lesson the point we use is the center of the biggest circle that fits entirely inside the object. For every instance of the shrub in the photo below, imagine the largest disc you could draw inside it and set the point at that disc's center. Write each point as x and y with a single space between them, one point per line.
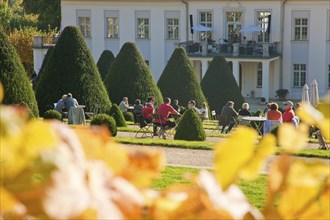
117 115
128 116
71 68
219 85
17 86
104 63
179 80
130 76
190 127
53 114
107 120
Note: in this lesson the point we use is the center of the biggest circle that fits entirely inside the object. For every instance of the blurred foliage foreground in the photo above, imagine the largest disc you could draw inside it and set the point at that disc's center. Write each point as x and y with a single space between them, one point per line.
51 171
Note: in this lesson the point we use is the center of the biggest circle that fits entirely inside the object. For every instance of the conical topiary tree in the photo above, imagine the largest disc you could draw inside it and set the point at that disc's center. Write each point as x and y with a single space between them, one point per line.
179 79
190 127
104 63
43 66
130 76
219 85
117 115
17 86
71 68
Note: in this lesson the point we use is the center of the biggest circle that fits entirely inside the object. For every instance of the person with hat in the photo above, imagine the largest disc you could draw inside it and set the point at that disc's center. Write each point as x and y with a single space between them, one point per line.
288 114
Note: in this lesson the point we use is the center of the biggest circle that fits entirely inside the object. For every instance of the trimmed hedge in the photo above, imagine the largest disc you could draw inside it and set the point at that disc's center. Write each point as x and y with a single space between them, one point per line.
104 63
71 68
117 115
128 116
17 86
219 85
190 127
179 80
130 76
107 120
53 114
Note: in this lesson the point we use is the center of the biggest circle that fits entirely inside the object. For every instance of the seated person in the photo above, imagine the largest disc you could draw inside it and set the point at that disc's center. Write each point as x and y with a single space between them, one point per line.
164 110
204 112
60 105
288 114
175 105
274 114
147 112
70 102
192 105
245 110
137 109
229 112
124 106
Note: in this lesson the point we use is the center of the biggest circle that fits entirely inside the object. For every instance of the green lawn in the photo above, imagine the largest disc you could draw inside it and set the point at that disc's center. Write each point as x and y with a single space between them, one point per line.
254 190
203 145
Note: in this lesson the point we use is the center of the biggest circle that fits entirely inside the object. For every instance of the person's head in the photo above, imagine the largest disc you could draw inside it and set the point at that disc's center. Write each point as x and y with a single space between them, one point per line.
69 95
176 102
273 106
203 104
288 105
268 105
230 104
152 100
125 99
167 100
138 102
64 97
191 104
245 106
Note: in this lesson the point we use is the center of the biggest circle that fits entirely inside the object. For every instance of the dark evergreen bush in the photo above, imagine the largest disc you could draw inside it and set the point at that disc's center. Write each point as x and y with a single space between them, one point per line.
190 127
71 68
117 115
219 85
107 120
130 76
53 114
104 62
43 66
128 116
179 80
17 86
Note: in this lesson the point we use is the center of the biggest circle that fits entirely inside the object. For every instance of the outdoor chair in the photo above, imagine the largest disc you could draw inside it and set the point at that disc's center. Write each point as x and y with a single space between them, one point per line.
144 130
162 129
94 112
322 143
215 121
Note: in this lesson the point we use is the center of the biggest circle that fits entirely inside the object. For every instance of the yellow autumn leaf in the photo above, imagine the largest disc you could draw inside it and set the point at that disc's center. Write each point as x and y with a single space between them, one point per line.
292 139
1 92
265 148
10 206
232 155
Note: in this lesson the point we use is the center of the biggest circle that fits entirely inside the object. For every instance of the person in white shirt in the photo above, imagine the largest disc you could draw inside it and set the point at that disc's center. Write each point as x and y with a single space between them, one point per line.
124 106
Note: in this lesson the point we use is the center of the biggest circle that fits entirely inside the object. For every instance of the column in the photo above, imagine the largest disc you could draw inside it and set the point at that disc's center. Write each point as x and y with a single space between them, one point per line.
236 70
205 65
265 80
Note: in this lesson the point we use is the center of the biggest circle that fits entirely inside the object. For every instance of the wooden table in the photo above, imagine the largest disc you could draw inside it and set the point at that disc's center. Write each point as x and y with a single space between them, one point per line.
253 120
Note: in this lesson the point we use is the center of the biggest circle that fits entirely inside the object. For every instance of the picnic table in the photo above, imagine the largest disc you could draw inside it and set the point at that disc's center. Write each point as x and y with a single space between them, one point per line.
76 115
253 121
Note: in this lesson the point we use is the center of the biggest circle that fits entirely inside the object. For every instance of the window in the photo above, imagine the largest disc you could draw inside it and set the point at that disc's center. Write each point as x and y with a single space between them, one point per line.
259 76
329 76
205 19
173 28
143 28
300 28
299 75
84 24
234 25
264 19
112 27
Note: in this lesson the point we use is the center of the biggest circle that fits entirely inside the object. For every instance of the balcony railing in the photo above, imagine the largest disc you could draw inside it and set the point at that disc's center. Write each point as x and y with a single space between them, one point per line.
44 42
248 49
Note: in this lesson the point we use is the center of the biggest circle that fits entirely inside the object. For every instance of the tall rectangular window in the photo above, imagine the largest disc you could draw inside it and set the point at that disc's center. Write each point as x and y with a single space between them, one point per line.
205 19
84 22
299 75
143 30
234 21
300 28
112 27
173 28
259 75
263 21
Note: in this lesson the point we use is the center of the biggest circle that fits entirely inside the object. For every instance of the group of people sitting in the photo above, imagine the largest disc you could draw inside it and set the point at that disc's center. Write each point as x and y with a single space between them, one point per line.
65 103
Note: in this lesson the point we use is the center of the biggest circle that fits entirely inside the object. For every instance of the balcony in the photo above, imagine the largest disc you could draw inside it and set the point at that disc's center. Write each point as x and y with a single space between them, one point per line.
44 42
249 49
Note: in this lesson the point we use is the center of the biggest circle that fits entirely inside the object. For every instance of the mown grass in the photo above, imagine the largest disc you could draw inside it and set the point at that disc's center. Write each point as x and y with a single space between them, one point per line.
203 145
255 190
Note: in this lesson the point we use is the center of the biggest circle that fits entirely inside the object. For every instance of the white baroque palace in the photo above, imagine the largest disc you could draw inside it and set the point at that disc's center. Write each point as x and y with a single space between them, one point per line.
269 44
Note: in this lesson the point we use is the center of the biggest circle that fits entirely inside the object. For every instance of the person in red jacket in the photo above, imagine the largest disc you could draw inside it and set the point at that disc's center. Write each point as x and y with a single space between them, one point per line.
147 112
288 114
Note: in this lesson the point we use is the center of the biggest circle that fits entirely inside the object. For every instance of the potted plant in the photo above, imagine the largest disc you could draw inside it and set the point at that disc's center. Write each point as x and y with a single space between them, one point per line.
262 101
282 93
